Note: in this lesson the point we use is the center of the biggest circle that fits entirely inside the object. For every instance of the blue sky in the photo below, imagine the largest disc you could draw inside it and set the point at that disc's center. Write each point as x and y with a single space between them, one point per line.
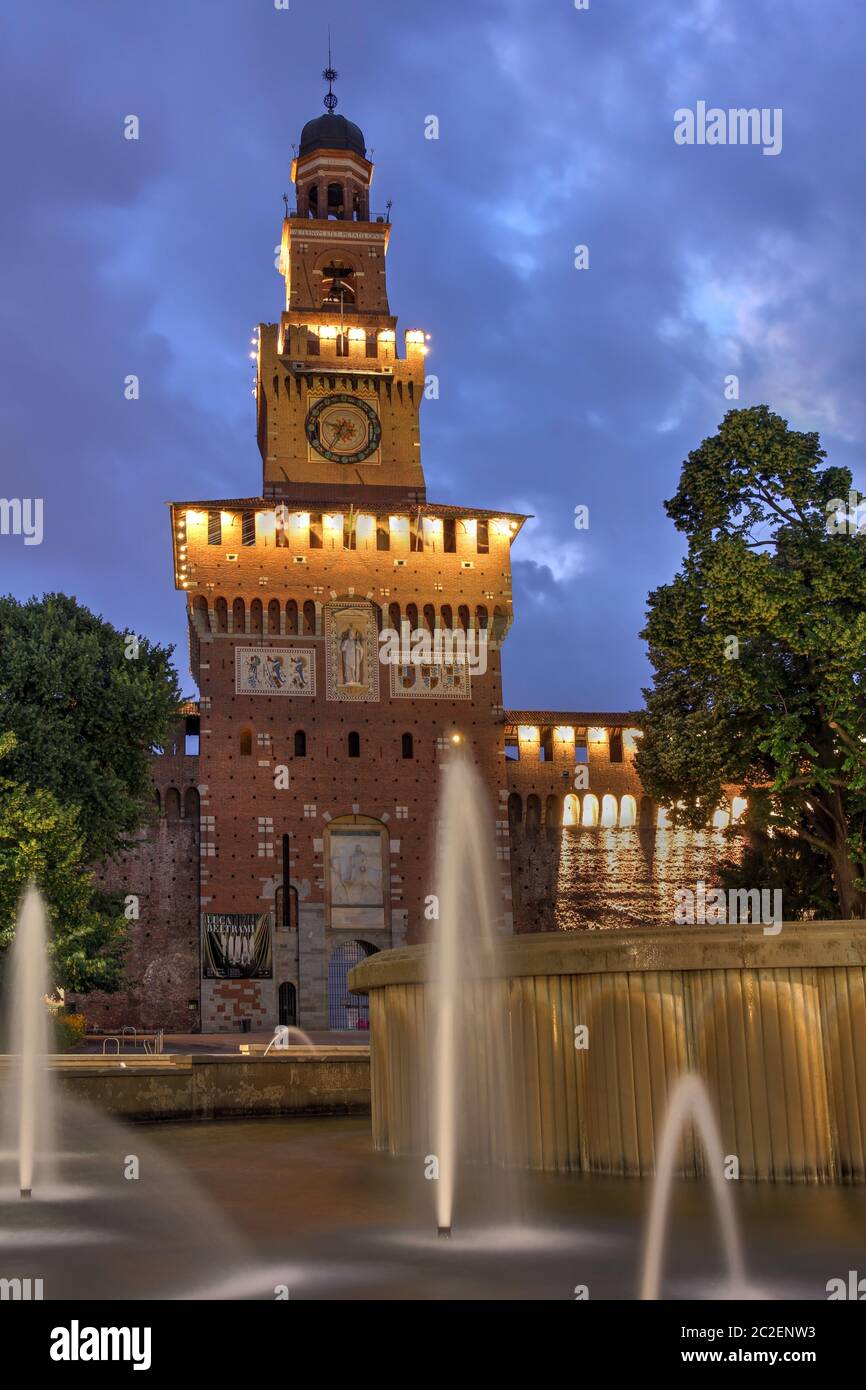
558 387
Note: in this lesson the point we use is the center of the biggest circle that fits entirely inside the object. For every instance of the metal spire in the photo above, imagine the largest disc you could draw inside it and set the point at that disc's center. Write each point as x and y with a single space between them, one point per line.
330 75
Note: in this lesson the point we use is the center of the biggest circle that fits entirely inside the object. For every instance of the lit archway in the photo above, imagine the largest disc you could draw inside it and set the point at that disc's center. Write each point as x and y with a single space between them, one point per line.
571 810
628 812
589 814
608 811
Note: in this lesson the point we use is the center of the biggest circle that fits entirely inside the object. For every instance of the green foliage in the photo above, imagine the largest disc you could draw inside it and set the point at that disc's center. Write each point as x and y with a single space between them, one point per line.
786 717
40 841
85 714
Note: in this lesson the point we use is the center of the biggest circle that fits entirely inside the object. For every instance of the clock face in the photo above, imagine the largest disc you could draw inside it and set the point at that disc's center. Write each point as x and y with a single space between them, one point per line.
343 429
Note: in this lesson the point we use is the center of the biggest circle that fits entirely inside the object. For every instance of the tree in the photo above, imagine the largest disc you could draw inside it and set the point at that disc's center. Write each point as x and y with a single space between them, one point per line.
759 647
40 841
86 704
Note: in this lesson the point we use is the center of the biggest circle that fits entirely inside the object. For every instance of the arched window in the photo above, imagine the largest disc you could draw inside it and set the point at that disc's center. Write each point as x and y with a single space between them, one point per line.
515 810
590 810
300 743
246 743
627 812
338 284
408 746
481 616
571 810
158 799
191 804
221 612
430 618
309 618
553 812
274 616
447 616
608 811
291 616
354 743
463 615
172 804
412 616
239 616
533 813
256 615
199 607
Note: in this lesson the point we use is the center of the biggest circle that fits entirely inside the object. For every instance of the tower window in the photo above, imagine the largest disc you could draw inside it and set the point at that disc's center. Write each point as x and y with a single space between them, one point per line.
313 349
246 743
512 748
316 532
354 745
214 528
248 528
449 535
300 743
615 745
581 747
408 746
372 346
547 745
338 285
350 532
383 533
483 534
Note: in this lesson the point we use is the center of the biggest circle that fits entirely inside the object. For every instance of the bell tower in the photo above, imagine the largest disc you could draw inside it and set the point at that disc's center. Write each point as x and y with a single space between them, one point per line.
337 406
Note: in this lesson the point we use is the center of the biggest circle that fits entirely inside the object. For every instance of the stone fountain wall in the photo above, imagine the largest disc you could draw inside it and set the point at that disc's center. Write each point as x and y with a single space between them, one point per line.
775 1025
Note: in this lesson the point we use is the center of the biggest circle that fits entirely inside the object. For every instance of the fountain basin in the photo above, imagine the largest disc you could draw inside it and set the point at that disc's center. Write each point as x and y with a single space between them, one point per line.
294 1081
599 1025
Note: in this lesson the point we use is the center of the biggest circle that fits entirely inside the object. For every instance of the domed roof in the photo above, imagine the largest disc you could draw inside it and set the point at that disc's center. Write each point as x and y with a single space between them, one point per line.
332 132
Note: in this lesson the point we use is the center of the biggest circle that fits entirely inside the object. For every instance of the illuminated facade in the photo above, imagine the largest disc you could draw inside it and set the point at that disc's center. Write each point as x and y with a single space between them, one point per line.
295 835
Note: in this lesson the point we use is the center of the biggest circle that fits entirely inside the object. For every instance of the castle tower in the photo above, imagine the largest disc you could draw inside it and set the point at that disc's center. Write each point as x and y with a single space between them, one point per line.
322 739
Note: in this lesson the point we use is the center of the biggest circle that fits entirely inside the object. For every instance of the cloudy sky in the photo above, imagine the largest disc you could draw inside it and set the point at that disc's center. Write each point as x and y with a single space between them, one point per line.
558 388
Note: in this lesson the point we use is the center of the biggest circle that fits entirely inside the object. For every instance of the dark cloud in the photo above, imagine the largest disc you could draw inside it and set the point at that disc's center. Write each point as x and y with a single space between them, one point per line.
558 387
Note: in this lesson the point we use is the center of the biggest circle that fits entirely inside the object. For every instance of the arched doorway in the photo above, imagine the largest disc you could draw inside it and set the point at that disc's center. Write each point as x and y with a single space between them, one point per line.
347 1012
287 1005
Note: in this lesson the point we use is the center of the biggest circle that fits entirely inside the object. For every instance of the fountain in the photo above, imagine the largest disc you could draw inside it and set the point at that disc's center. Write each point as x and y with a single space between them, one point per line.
690 1101
465 941
30 1109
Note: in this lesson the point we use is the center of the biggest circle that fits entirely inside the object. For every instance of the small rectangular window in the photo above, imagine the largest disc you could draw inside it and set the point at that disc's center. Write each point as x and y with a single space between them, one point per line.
581 748
615 745
316 532
383 533
372 343
512 748
483 545
248 528
547 745
214 528
449 535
